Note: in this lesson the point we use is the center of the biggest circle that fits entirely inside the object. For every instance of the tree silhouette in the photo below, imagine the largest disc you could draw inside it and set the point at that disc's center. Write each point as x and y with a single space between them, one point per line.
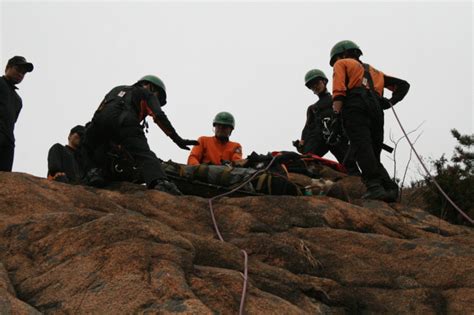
456 179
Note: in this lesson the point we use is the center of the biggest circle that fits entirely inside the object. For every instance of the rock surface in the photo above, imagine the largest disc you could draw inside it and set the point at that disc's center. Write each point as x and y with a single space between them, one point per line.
75 250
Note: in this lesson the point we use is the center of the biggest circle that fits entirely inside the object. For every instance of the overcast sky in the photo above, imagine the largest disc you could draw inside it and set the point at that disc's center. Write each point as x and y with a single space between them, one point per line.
247 58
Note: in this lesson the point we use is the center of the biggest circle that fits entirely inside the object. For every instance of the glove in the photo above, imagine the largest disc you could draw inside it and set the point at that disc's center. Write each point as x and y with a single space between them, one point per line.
299 147
183 143
385 103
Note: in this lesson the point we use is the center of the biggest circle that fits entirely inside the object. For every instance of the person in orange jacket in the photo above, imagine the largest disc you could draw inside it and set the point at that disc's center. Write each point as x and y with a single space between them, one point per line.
217 150
358 97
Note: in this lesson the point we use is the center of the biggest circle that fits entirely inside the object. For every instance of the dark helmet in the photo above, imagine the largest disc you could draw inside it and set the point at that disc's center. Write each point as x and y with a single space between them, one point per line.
314 74
157 82
341 47
224 118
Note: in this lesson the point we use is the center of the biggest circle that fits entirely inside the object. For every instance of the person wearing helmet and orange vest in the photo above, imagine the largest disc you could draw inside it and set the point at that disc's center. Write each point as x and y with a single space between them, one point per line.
316 134
358 97
217 150
118 120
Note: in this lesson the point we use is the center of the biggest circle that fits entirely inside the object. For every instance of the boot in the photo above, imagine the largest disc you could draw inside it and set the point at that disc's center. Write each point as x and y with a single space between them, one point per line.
94 178
167 187
392 190
391 195
61 179
375 191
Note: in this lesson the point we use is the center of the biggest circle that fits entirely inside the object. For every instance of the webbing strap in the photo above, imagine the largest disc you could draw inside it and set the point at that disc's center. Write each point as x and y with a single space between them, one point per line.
368 77
201 172
261 180
283 166
269 184
224 178
181 171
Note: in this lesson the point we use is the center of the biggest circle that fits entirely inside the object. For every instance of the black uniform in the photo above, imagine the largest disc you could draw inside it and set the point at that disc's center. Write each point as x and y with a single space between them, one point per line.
64 159
316 131
10 107
117 121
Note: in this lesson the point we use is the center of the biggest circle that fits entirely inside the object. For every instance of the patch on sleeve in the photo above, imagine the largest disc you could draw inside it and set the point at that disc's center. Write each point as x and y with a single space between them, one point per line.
238 150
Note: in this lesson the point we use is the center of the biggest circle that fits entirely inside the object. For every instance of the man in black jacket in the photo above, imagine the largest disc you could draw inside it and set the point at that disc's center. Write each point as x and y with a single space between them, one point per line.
10 107
117 121
63 165
316 137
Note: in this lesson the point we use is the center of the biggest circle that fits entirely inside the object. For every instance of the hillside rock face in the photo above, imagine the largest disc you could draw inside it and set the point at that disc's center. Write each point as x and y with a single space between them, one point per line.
75 250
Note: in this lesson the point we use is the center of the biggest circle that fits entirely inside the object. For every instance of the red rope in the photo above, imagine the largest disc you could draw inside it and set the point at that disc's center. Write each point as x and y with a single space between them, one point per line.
216 228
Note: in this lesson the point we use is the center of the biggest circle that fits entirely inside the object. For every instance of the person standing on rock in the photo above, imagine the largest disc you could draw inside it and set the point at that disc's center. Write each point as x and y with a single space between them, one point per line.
120 119
10 107
358 97
63 164
217 150
320 118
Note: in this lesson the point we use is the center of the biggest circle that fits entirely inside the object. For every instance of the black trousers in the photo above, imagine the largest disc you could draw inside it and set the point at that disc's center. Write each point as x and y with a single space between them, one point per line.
315 144
7 151
363 121
106 129
137 146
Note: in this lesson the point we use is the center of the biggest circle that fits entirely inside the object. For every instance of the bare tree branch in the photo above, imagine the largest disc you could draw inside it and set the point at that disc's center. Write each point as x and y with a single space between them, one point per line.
406 168
395 146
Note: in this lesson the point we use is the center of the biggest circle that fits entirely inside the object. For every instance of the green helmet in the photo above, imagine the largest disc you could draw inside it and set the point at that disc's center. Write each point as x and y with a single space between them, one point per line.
158 83
341 47
154 80
224 118
314 74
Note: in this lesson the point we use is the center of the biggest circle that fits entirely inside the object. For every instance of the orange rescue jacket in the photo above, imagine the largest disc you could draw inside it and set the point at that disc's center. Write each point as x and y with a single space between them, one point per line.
211 151
348 74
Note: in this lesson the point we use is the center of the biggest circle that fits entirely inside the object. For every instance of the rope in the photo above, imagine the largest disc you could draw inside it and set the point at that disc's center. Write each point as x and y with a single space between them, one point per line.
216 228
244 288
215 222
428 172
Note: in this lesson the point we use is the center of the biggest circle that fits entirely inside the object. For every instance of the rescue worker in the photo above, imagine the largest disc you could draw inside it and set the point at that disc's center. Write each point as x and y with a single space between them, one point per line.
117 121
10 107
217 150
358 96
63 165
316 137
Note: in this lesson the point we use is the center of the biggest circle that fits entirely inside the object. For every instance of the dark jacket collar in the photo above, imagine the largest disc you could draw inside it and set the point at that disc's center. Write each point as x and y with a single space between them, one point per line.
13 86
324 93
